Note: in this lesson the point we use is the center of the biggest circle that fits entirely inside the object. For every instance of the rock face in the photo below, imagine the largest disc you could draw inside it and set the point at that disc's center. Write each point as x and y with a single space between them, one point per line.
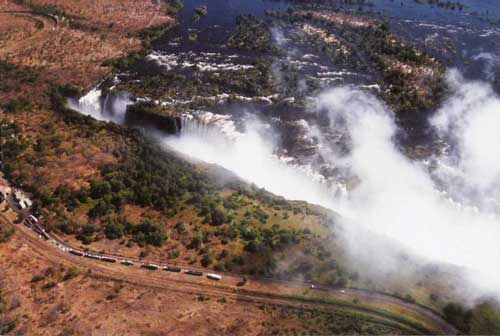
152 116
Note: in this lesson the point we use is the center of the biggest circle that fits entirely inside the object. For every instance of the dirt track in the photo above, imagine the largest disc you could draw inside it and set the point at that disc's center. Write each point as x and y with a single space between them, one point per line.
255 291
38 35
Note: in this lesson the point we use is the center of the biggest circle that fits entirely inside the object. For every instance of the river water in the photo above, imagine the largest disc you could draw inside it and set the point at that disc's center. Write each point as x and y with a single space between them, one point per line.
340 149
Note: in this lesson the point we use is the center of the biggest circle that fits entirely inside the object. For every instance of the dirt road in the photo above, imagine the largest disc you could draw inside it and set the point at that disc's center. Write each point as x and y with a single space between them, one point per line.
375 306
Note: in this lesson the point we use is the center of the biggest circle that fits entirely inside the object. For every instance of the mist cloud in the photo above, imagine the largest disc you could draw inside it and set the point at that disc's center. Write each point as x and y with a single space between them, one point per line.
399 199
403 200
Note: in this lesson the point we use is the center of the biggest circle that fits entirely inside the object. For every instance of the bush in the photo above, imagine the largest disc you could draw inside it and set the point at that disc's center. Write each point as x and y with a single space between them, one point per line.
113 229
180 227
67 226
147 233
238 260
37 278
175 253
206 261
196 242
5 234
408 298
223 254
201 10
218 217
101 208
70 274
7 325
458 316
220 267
252 246
19 105
86 234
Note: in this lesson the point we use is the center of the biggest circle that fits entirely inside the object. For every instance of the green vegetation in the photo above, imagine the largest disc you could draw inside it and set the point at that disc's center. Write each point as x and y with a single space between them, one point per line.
201 10
71 273
373 49
37 278
148 35
47 10
496 82
483 319
12 75
443 4
174 7
361 313
251 82
5 234
149 113
251 33
147 233
7 323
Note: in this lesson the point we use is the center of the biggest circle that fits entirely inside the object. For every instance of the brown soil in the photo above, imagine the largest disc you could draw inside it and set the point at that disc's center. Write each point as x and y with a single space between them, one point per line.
112 299
73 50
106 299
90 305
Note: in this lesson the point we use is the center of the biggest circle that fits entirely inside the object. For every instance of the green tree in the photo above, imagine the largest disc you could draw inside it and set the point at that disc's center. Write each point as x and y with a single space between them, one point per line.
206 261
113 229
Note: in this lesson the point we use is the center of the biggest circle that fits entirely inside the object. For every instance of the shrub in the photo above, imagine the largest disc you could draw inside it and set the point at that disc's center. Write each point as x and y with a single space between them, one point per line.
201 10
175 253
218 217
408 298
206 260
223 254
148 233
252 246
37 278
67 226
196 242
220 267
238 260
113 229
457 315
86 234
5 234
180 227
19 105
70 274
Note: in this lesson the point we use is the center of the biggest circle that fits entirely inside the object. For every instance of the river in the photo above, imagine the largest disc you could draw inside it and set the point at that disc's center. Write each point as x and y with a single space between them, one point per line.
342 147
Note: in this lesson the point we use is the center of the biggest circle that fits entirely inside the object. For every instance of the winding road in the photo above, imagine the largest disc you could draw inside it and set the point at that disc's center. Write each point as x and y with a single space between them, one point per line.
49 24
412 318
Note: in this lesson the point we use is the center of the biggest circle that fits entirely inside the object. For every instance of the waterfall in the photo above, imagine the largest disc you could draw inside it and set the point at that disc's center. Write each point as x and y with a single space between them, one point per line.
208 124
111 107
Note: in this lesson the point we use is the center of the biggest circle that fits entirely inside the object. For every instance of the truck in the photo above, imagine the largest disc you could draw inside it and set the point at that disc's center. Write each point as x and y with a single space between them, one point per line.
151 267
76 252
108 259
92 256
195 273
213 276
127 262
172 268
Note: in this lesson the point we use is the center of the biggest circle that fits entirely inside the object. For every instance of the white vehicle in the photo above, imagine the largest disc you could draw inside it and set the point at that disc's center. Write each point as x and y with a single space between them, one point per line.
151 267
342 291
33 219
213 276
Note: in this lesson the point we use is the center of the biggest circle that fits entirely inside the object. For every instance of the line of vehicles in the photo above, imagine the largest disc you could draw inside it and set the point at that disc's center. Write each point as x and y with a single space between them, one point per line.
32 222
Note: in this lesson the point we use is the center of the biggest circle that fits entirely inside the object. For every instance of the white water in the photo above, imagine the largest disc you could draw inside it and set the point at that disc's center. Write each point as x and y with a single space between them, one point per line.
452 221
395 197
110 108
